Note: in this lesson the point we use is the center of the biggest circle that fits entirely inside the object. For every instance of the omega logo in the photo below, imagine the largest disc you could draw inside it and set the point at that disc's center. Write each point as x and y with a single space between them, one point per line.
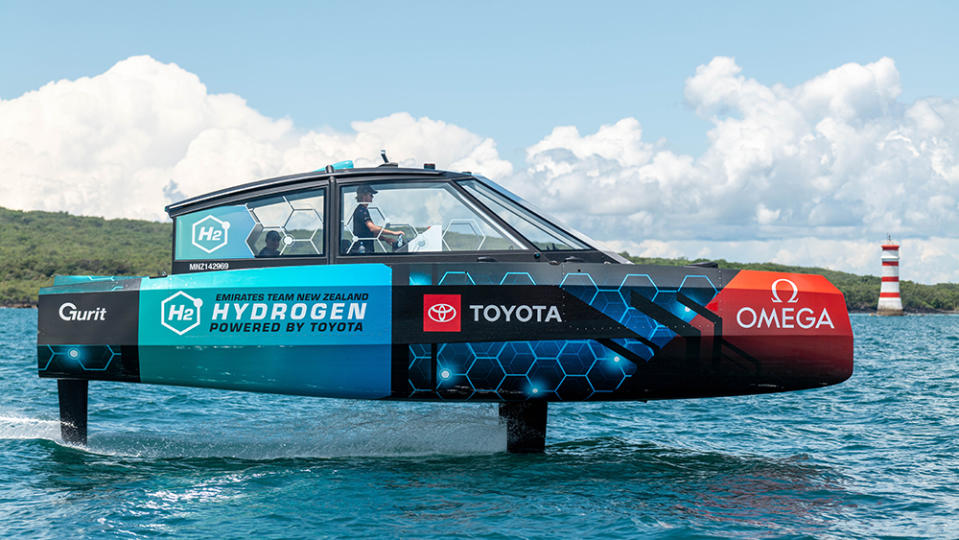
441 313
783 317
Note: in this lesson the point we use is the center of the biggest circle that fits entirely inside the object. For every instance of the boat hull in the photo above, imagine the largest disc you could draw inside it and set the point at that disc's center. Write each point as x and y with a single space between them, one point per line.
477 331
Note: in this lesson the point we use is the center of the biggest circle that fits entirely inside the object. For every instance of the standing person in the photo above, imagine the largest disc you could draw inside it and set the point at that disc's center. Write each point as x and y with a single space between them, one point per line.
363 227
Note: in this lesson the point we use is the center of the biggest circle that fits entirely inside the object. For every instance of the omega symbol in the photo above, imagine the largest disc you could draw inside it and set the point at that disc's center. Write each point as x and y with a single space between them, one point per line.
795 292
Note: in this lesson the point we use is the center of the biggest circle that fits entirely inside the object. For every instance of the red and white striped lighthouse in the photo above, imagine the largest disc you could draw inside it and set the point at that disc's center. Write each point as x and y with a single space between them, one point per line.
890 303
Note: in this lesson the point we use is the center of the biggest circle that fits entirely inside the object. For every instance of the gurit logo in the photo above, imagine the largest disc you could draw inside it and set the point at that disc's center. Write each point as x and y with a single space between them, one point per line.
180 312
441 313
69 312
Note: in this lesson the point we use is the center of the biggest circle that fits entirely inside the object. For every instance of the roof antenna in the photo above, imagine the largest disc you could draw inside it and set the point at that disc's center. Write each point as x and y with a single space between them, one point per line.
386 162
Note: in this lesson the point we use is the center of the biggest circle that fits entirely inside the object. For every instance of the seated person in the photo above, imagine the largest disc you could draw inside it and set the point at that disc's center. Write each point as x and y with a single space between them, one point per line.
365 230
272 248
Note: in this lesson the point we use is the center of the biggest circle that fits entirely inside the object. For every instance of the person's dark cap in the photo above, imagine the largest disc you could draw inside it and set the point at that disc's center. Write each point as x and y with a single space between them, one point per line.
272 235
366 189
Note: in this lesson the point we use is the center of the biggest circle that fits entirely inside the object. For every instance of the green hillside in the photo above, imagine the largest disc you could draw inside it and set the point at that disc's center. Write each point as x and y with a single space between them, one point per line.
35 246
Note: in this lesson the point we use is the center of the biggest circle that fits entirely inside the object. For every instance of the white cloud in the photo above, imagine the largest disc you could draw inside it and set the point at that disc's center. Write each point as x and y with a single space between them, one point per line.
834 156
830 165
812 174
124 143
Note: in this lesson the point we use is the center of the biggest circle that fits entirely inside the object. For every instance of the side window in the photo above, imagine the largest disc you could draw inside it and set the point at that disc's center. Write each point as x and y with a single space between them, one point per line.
214 234
277 226
287 225
412 218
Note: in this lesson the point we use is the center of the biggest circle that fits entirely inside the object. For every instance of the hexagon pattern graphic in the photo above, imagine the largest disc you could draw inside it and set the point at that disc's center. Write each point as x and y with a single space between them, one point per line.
463 235
67 358
297 218
271 212
303 224
559 370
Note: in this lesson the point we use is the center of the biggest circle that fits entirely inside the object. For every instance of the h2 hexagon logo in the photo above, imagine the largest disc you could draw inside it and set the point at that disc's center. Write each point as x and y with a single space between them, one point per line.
210 233
180 312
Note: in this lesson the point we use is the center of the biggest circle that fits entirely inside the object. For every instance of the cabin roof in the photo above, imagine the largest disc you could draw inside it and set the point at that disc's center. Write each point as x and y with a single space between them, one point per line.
291 182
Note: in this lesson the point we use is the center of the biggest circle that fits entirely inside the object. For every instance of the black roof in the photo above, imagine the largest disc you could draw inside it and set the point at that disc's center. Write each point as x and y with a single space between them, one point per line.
282 184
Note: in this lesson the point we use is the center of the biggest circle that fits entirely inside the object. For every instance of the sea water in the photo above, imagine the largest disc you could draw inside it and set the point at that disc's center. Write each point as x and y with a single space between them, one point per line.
875 456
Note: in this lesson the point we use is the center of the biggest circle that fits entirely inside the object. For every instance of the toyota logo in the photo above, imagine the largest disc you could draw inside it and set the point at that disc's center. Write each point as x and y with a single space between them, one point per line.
441 313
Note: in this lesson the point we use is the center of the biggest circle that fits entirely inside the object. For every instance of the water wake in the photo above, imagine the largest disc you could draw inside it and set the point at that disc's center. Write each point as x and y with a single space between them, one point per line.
335 431
14 427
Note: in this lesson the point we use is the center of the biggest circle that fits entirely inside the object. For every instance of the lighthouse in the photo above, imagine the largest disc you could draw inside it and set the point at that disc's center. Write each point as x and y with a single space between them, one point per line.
890 303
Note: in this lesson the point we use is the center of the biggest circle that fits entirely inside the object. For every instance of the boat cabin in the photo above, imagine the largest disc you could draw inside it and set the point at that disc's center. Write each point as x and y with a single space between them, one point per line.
383 214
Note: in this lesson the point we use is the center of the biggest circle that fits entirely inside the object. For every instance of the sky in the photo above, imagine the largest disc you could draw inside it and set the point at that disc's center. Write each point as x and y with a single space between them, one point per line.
748 131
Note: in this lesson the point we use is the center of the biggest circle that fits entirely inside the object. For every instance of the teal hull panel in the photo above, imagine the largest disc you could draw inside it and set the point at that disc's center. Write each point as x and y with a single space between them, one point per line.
315 330
346 371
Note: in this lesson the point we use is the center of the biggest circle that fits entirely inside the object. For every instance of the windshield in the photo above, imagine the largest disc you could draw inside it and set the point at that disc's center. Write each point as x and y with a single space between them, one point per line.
539 232
383 218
